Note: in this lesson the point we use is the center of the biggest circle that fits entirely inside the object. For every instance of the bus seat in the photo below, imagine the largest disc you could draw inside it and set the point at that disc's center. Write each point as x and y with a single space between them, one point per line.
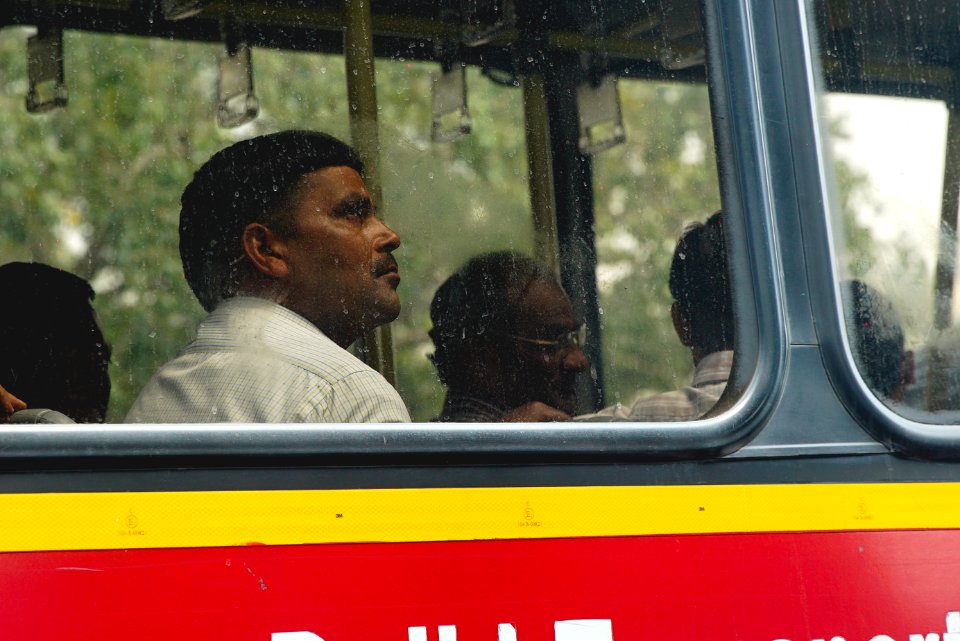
29 416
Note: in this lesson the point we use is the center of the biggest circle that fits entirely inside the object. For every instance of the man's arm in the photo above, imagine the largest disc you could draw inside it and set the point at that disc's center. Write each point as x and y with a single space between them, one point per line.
534 412
9 404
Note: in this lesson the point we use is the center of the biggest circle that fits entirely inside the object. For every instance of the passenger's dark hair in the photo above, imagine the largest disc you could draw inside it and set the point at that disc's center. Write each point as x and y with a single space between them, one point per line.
700 285
479 301
52 352
250 181
875 334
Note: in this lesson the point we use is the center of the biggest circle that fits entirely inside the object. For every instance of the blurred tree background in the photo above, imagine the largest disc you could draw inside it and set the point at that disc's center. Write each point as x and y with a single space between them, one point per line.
95 188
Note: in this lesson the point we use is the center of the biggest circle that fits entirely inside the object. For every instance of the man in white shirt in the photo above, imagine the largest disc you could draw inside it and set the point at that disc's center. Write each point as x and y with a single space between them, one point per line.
702 313
280 242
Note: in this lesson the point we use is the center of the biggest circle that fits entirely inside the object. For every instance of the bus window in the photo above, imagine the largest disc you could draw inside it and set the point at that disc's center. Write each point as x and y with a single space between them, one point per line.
891 124
94 187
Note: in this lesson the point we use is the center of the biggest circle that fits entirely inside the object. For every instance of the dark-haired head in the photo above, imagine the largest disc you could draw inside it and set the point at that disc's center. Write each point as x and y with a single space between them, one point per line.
53 354
252 181
477 302
700 286
498 328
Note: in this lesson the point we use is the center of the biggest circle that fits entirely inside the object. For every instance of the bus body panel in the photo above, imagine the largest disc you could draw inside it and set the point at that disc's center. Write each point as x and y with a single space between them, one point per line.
758 562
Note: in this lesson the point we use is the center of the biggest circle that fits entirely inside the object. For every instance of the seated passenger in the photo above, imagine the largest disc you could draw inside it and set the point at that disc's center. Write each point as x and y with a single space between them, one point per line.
281 243
877 341
702 314
53 354
508 346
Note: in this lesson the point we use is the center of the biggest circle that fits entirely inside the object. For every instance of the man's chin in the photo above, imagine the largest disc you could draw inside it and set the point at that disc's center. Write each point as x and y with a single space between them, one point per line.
386 311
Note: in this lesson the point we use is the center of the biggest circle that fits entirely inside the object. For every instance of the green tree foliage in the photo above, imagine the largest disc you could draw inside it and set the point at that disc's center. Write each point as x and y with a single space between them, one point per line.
95 188
647 190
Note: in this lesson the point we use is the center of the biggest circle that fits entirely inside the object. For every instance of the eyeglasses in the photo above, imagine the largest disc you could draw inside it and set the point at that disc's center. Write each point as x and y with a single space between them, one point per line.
565 341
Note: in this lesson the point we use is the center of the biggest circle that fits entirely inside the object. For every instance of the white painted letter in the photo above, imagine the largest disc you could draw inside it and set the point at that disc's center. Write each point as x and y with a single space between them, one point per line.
953 627
419 633
506 632
881 637
583 630
294 636
447 632
932 636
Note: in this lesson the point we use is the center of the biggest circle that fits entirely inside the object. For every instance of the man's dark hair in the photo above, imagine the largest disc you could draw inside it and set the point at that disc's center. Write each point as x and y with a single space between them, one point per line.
250 181
876 334
479 301
52 351
700 285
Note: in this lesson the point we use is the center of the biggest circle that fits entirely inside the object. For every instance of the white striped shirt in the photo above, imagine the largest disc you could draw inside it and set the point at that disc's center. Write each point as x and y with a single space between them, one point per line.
254 361
686 404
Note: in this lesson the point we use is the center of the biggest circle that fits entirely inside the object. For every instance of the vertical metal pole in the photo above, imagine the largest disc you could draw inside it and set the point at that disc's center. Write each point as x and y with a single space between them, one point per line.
377 347
540 170
937 393
573 190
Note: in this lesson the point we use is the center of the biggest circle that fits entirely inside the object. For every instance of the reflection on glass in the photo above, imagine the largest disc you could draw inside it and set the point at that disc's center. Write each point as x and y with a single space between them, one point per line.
94 188
647 192
892 141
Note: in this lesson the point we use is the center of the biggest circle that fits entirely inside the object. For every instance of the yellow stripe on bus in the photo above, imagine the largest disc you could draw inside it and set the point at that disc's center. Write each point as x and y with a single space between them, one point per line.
124 520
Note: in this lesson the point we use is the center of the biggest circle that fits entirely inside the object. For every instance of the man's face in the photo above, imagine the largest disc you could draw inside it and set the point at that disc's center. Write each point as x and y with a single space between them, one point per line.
343 277
543 372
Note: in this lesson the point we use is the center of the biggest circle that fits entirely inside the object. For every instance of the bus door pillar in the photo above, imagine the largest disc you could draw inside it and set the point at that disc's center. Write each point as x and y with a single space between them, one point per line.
376 347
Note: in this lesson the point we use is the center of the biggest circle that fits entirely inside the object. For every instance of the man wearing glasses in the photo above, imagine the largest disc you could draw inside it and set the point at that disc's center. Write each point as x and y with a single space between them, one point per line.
508 346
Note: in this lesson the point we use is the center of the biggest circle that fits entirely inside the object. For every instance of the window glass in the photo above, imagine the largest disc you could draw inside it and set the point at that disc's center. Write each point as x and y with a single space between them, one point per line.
647 191
449 202
886 112
94 189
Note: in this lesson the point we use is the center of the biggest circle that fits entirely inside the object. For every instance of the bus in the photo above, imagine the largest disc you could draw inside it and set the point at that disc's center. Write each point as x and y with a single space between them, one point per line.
810 503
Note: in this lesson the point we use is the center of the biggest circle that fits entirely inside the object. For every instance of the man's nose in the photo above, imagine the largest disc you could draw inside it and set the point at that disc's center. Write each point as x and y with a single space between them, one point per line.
576 360
387 239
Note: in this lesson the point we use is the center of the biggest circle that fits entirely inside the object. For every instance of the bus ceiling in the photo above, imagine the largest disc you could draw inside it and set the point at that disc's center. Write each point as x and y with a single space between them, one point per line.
910 50
652 38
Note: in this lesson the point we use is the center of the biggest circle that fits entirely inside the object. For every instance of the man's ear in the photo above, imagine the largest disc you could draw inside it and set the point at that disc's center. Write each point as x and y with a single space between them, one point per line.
681 325
265 250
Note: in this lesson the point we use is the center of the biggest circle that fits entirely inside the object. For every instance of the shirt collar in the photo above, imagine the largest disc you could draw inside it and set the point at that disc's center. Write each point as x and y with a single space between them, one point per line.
713 368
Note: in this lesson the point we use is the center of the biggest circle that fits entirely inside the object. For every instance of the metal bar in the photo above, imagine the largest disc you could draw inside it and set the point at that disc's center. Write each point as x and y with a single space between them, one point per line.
377 345
540 170
410 26
573 191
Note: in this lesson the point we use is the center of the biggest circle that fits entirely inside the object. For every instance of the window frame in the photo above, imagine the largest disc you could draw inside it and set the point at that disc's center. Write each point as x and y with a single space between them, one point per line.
739 97
894 431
